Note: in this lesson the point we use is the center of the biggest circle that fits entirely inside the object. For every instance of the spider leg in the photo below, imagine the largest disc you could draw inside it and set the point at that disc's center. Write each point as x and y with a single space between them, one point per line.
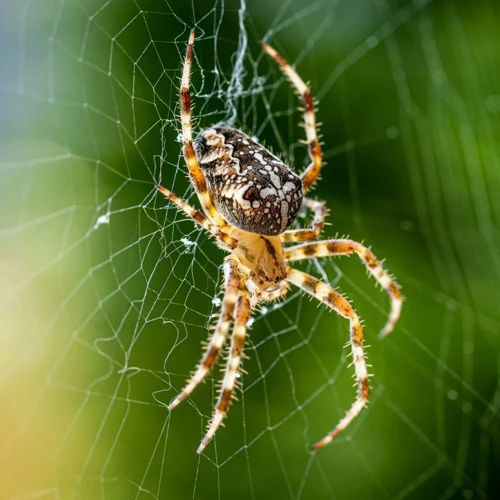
266 296
311 174
198 217
242 315
345 247
231 286
339 304
318 207
195 172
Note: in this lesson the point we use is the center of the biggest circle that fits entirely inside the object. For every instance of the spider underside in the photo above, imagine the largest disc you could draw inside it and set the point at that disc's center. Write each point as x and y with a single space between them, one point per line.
249 200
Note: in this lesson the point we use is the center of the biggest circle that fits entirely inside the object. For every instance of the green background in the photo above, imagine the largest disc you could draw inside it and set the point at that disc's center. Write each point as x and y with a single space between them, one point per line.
106 291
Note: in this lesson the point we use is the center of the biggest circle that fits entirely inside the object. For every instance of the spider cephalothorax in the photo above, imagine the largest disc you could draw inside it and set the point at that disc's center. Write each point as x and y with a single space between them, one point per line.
263 256
250 187
249 199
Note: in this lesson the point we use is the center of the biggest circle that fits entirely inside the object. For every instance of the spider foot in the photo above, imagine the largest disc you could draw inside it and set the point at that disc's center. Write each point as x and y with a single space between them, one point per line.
327 438
214 425
176 402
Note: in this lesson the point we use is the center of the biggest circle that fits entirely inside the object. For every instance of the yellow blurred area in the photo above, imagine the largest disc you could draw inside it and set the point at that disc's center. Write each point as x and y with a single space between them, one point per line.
36 264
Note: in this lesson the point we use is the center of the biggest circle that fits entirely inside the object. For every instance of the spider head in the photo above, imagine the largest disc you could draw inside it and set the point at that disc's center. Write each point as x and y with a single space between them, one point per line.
250 187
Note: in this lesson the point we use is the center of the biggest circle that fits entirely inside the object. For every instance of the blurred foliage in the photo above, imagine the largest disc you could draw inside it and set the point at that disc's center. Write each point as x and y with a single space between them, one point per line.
106 291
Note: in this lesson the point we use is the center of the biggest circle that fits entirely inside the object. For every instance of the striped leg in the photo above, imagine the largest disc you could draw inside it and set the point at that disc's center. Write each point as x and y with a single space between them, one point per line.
231 286
346 247
259 296
334 300
275 294
311 174
195 172
318 207
242 315
198 217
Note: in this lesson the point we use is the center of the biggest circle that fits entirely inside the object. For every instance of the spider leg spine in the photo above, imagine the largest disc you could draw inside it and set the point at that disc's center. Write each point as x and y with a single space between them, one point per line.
195 172
320 212
311 173
343 246
327 295
241 317
199 218
217 339
276 294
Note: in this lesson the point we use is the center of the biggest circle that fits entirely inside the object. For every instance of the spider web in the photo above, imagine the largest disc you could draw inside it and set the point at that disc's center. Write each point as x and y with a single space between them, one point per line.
107 291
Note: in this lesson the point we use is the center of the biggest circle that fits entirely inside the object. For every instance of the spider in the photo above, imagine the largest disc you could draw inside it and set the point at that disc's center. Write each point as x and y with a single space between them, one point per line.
249 200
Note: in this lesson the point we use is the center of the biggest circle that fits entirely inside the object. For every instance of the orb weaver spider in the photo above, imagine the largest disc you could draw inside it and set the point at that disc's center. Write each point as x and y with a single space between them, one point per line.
249 200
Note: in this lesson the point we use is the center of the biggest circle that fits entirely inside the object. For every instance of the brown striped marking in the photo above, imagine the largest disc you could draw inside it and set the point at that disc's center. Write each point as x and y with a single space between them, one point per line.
195 172
224 401
311 174
185 99
189 53
241 317
309 251
270 248
347 247
296 235
307 100
335 301
198 217
213 348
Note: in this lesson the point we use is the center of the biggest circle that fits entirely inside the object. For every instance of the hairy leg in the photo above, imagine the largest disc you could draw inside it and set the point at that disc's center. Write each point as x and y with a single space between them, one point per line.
275 294
242 315
195 172
198 217
340 305
294 235
346 247
231 287
311 174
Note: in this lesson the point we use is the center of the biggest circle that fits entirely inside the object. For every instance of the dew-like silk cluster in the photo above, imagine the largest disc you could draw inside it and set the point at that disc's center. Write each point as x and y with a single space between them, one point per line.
251 188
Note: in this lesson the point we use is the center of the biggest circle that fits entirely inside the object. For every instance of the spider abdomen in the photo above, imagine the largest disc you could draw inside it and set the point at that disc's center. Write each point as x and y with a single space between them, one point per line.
250 187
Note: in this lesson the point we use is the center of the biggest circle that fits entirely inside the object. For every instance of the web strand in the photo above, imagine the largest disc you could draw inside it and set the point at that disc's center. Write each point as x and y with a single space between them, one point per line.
107 289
